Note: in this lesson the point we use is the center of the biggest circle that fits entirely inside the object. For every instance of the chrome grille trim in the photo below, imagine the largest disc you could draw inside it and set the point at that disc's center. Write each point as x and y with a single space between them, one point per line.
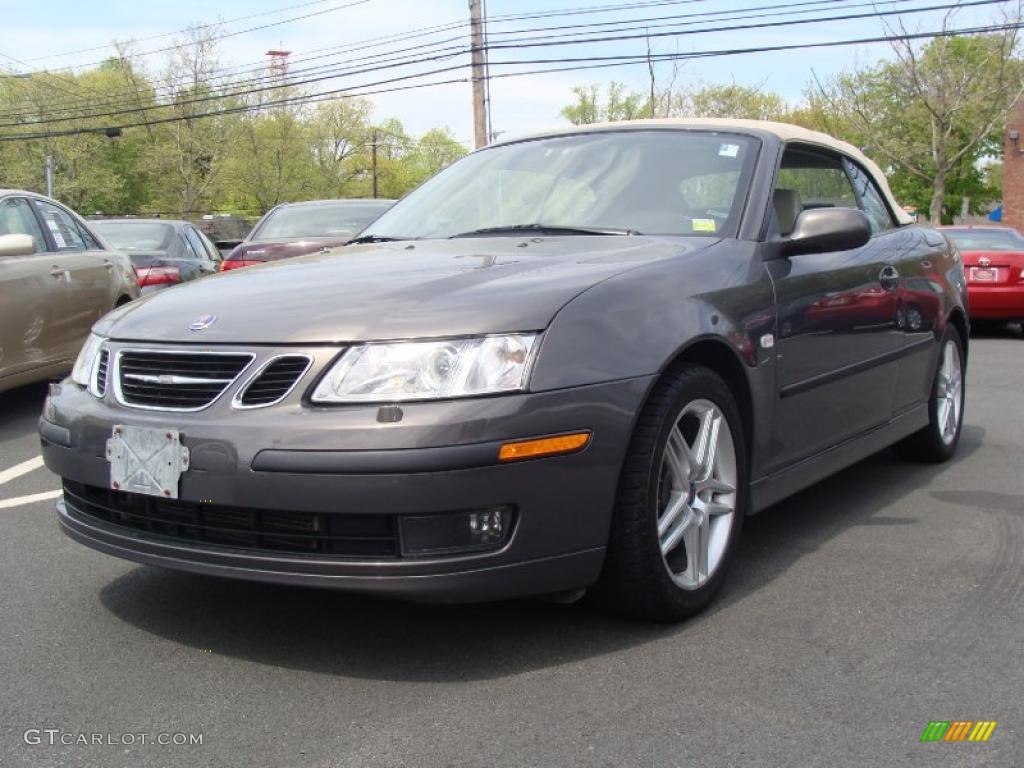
173 380
99 383
236 401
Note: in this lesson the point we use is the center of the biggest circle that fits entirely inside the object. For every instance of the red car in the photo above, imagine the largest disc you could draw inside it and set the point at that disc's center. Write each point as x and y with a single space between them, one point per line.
994 265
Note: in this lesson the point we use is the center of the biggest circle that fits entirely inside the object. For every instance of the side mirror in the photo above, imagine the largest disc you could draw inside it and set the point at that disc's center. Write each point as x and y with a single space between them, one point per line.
820 230
17 245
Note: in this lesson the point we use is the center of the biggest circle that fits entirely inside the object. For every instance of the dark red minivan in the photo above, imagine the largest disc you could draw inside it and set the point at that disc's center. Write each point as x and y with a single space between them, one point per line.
294 229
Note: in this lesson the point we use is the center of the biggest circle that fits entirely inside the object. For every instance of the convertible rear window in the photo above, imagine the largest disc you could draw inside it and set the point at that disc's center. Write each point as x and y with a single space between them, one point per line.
656 182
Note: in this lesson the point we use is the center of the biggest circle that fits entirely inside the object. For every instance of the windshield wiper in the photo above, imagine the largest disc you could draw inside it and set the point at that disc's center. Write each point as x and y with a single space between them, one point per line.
371 238
548 229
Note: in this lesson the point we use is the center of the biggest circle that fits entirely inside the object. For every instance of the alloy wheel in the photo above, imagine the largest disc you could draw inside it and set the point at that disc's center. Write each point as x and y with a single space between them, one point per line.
696 494
949 393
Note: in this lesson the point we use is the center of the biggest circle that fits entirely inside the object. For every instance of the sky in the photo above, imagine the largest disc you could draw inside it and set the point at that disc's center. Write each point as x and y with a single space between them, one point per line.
521 104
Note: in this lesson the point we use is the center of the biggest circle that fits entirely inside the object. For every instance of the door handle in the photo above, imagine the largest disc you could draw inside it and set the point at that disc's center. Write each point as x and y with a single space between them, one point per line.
889 277
56 271
108 266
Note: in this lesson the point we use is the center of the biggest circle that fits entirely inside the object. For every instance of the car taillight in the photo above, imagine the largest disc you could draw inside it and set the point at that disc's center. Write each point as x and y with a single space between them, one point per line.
157 276
236 263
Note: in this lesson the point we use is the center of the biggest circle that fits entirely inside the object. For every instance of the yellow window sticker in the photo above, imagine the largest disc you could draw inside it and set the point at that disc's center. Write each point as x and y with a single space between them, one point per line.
703 225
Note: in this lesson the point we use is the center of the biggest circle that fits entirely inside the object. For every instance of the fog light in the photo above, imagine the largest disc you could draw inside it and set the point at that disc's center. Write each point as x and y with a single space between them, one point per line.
455 532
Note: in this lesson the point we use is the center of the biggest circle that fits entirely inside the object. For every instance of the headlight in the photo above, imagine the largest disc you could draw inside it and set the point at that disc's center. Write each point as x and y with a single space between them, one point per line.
428 370
82 373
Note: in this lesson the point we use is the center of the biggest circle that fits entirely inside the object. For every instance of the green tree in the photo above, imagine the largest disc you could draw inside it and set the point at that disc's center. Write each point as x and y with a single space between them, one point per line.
931 114
191 151
735 101
618 104
339 135
271 161
435 151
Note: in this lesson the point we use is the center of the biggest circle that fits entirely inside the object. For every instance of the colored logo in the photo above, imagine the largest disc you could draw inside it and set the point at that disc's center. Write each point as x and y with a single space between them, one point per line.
202 322
958 730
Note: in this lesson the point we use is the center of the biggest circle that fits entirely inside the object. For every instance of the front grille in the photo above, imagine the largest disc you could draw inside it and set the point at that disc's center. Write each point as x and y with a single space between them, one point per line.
263 530
275 381
101 372
180 381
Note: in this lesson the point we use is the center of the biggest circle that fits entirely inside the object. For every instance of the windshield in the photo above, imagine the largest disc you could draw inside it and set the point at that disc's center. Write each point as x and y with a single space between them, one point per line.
986 239
318 220
667 182
136 235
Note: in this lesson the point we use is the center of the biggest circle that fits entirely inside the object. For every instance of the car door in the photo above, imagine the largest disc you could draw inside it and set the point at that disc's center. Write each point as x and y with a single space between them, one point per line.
838 338
204 261
214 252
34 297
918 257
88 271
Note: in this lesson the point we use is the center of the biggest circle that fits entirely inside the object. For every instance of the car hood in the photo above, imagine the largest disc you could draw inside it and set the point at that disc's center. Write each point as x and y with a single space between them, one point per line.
270 250
398 290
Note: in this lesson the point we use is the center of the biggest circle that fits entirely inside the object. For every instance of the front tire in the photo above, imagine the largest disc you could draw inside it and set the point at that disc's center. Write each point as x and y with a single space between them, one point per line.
937 442
680 502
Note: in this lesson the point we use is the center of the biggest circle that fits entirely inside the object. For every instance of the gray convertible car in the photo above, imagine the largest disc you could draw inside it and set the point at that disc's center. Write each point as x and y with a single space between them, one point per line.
572 362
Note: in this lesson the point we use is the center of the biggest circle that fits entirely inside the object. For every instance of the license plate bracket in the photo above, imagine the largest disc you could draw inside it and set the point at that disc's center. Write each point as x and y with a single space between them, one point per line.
984 275
146 460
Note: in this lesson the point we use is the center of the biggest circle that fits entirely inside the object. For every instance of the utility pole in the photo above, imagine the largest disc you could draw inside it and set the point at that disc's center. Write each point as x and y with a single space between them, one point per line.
49 175
373 162
479 63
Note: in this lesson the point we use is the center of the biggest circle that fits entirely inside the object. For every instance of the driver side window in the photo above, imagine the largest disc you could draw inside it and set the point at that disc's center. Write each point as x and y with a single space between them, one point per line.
16 218
809 178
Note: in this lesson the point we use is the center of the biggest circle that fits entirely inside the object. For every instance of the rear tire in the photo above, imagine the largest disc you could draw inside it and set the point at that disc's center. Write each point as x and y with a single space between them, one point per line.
680 502
937 442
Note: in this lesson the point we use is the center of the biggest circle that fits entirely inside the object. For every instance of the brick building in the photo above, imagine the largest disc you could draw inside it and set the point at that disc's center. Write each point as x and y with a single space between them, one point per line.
1013 168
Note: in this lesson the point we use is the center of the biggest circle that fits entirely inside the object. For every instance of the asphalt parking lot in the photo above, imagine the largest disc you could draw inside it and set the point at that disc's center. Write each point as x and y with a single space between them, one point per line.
886 597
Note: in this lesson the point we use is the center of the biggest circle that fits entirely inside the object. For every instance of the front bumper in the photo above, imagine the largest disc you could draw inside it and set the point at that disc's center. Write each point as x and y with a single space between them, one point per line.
338 461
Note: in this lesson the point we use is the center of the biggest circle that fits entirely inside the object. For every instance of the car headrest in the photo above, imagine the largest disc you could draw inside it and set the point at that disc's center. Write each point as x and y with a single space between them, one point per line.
787 208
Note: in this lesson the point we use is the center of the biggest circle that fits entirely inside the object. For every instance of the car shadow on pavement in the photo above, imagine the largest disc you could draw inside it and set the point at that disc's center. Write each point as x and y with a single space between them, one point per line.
338 634
21 409
994 330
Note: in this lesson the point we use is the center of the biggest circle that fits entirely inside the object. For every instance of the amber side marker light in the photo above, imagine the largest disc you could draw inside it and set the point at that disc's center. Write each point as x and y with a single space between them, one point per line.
544 446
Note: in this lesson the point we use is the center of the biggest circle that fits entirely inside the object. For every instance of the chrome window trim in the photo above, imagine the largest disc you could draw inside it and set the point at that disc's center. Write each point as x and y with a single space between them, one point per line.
236 400
119 395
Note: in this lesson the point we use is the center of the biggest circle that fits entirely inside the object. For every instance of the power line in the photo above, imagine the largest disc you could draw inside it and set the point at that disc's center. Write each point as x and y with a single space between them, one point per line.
208 25
578 64
456 24
236 33
167 90
393 38
525 43
76 94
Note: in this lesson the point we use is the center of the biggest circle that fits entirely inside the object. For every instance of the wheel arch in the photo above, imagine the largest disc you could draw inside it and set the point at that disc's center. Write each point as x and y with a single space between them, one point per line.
958 320
717 355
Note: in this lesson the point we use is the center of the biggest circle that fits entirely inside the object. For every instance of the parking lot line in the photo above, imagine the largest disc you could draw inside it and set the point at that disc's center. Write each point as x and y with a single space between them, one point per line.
21 469
17 501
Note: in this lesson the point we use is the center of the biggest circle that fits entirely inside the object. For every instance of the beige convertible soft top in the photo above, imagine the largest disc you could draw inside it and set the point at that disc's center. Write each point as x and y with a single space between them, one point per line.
785 131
